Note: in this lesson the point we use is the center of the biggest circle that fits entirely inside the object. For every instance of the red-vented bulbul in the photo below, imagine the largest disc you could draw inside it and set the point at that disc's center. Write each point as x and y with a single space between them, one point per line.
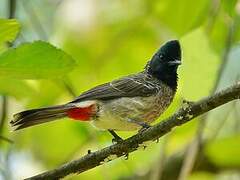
128 103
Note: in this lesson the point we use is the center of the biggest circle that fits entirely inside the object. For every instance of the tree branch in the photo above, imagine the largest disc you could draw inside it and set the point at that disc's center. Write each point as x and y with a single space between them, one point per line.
190 157
140 140
12 9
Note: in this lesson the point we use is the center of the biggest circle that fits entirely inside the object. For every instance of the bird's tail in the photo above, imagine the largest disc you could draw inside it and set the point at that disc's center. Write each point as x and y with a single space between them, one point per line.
33 117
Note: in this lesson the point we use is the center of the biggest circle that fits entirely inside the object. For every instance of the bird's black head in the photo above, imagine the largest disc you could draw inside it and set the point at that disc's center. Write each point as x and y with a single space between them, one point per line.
165 62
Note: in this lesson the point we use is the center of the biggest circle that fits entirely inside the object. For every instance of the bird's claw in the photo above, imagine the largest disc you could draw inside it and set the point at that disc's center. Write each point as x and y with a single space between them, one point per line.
145 126
116 140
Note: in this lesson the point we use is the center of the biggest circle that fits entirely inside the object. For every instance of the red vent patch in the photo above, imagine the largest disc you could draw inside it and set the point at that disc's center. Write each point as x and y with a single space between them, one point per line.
82 114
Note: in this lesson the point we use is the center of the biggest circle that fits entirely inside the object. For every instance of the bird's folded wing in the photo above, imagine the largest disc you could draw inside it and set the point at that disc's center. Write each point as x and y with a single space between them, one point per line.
129 86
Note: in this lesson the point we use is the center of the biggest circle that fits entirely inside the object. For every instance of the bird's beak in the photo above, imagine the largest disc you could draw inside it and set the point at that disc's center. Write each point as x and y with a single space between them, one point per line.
175 62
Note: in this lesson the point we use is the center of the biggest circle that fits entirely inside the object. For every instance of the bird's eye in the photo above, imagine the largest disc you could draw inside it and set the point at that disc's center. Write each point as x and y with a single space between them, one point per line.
161 56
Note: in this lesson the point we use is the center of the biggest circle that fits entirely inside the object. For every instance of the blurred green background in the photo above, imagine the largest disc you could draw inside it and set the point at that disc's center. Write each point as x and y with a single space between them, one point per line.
108 39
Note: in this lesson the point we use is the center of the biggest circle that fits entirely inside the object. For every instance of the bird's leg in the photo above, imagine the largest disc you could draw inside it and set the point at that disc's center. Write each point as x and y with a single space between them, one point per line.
144 125
116 138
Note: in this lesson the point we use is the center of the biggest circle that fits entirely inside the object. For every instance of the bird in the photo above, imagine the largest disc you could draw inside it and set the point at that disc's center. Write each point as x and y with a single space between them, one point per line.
129 103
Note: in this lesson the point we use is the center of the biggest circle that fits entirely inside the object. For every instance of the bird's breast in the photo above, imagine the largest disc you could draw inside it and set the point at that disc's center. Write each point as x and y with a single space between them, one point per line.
115 114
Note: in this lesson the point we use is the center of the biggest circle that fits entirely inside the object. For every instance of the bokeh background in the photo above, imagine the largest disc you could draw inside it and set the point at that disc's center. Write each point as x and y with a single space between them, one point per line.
109 39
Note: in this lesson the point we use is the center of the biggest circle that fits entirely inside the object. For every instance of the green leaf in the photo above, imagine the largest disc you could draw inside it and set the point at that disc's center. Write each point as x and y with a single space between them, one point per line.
16 88
229 6
182 16
201 175
219 31
9 29
225 152
35 60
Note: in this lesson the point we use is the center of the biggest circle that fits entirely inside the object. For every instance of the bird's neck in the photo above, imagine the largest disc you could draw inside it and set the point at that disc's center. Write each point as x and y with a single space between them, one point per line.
169 79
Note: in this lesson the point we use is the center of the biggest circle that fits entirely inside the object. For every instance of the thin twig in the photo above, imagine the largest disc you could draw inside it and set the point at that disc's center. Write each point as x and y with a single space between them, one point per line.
237 115
157 169
215 8
228 45
189 159
6 139
224 118
190 156
140 140
3 112
220 125
35 20
12 9
69 87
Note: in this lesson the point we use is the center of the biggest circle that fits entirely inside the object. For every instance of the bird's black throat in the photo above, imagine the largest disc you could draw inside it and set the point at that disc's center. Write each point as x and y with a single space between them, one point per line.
167 76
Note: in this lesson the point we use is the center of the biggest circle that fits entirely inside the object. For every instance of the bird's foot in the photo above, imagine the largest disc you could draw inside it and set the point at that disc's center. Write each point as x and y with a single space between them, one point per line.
116 138
145 126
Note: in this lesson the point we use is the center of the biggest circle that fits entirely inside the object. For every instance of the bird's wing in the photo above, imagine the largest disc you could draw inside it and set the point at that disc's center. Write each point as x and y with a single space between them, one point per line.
129 86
